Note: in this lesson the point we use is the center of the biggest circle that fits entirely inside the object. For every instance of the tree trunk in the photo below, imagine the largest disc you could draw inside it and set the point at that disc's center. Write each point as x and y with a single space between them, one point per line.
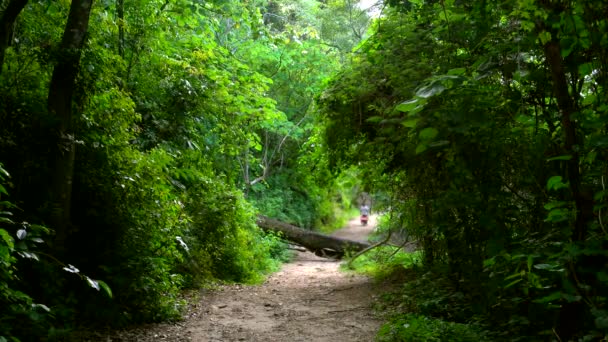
120 13
61 91
571 314
567 109
7 21
320 244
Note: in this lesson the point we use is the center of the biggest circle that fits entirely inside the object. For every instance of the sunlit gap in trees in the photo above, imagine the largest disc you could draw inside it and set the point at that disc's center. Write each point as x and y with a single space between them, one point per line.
372 7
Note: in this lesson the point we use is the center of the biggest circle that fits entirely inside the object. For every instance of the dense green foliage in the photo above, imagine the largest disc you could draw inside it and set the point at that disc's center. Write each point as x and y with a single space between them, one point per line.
147 136
413 328
485 123
17 241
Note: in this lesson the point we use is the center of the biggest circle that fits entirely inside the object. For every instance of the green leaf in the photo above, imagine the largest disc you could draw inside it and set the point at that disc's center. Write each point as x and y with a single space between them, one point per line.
555 183
515 275
513 283
571 298
589 99
549 298
430 90
5 255
71 269
29 255
42 306
457 71
564 157
544 37
105 287
410 123
439 143
421 148
489 262
374 119
558 215
602 276
601 322
550 267
407 105
7 238
3 190
428 133
92 283
585 69
555 204
6 220
39 228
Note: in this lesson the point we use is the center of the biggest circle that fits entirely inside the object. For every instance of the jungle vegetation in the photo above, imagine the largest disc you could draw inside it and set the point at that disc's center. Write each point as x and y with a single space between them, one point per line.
140 139
484 123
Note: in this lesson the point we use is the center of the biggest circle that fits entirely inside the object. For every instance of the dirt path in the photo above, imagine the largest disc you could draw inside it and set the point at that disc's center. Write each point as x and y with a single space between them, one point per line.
308 300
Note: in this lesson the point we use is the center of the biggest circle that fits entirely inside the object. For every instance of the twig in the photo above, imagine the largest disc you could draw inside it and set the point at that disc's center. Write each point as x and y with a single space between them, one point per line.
556 335
335 290
297 248
447 21
399 247
600 211
528 202
350 309
350 262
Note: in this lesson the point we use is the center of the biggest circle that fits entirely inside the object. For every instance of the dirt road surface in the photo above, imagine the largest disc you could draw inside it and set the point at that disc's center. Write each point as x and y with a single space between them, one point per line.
308 300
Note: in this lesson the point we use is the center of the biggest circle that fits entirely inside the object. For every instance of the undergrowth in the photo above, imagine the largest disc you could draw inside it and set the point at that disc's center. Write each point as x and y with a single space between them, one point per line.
425 307
340 220
383 261
415 327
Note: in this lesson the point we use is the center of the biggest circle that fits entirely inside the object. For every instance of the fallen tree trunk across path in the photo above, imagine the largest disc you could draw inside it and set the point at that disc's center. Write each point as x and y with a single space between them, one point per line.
321 244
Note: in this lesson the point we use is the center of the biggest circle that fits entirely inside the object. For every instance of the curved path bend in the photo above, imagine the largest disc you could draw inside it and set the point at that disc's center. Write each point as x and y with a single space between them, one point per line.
308 300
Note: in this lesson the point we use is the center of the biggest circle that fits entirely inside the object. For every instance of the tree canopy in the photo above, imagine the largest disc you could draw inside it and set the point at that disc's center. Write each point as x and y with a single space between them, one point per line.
487 122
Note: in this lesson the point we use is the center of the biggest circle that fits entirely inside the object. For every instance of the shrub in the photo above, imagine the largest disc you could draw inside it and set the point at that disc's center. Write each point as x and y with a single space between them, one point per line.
414 328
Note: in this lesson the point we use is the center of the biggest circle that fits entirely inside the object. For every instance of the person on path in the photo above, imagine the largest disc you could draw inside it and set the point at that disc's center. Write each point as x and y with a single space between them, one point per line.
364 210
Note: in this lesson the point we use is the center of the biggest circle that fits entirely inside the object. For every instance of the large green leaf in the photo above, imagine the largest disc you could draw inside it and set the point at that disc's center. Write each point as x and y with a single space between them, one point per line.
457 71
428 133
564 157
432 89
549 298
105 287
410 123
6 237
421 148
555 183
407 105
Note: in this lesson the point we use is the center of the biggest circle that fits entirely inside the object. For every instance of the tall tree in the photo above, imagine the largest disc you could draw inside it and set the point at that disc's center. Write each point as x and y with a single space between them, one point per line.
60 97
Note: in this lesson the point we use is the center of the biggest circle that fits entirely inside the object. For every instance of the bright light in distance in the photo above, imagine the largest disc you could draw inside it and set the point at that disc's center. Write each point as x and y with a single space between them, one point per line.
372 7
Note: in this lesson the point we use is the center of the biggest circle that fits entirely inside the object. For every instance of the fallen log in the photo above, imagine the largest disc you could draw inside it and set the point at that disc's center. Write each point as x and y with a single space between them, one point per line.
320 244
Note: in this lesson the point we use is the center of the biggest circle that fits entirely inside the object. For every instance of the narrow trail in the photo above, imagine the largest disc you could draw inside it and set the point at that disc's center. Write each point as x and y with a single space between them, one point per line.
308 300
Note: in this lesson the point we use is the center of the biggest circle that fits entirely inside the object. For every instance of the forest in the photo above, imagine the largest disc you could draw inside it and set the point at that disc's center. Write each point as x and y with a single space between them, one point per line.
140 140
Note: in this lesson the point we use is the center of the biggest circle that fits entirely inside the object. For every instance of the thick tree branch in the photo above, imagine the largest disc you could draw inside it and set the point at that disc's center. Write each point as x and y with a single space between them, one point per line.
7 21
